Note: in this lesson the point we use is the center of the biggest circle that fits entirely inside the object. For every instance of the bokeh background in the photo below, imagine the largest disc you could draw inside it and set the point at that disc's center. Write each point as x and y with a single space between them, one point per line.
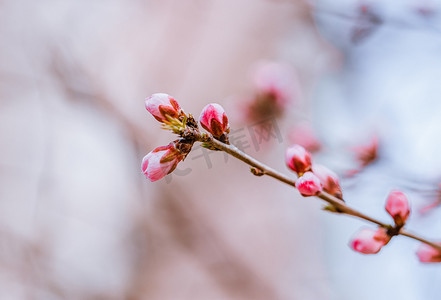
78 219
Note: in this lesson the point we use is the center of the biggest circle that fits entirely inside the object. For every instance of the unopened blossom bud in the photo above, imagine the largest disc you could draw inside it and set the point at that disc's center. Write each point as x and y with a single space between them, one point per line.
329 180
214 119
298 159
161 161
428 254
369 241
308 184
397 206
163 107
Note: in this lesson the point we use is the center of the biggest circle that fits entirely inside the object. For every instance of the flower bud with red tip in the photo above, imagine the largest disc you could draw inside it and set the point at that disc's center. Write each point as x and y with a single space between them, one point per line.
298 159
163 107
397 206
369 241
308 184
428 254
214 119
161 161
329 180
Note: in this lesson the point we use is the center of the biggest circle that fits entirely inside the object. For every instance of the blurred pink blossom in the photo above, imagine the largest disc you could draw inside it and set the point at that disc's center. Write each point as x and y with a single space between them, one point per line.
365 155
276 79
428 254
276 86
369 241
329 180
303 135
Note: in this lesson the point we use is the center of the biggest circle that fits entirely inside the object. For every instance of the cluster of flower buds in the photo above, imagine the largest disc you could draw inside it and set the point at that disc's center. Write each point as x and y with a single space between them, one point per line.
312 178
370 241
163 160
165 109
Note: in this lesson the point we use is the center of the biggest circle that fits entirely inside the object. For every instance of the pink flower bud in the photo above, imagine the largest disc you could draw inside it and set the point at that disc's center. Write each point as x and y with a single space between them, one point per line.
214 119
369 241
160 162
298 159
308 184
428 254
162 106
329 180
397 206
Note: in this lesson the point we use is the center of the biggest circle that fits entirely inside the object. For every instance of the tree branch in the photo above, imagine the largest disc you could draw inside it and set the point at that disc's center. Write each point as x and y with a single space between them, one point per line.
340 205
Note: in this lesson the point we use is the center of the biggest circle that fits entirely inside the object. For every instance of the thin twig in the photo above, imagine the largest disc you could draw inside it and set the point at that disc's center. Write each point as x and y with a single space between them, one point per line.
340 205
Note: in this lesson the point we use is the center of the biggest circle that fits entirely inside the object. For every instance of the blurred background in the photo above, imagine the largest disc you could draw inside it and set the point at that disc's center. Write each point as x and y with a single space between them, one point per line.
356 82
